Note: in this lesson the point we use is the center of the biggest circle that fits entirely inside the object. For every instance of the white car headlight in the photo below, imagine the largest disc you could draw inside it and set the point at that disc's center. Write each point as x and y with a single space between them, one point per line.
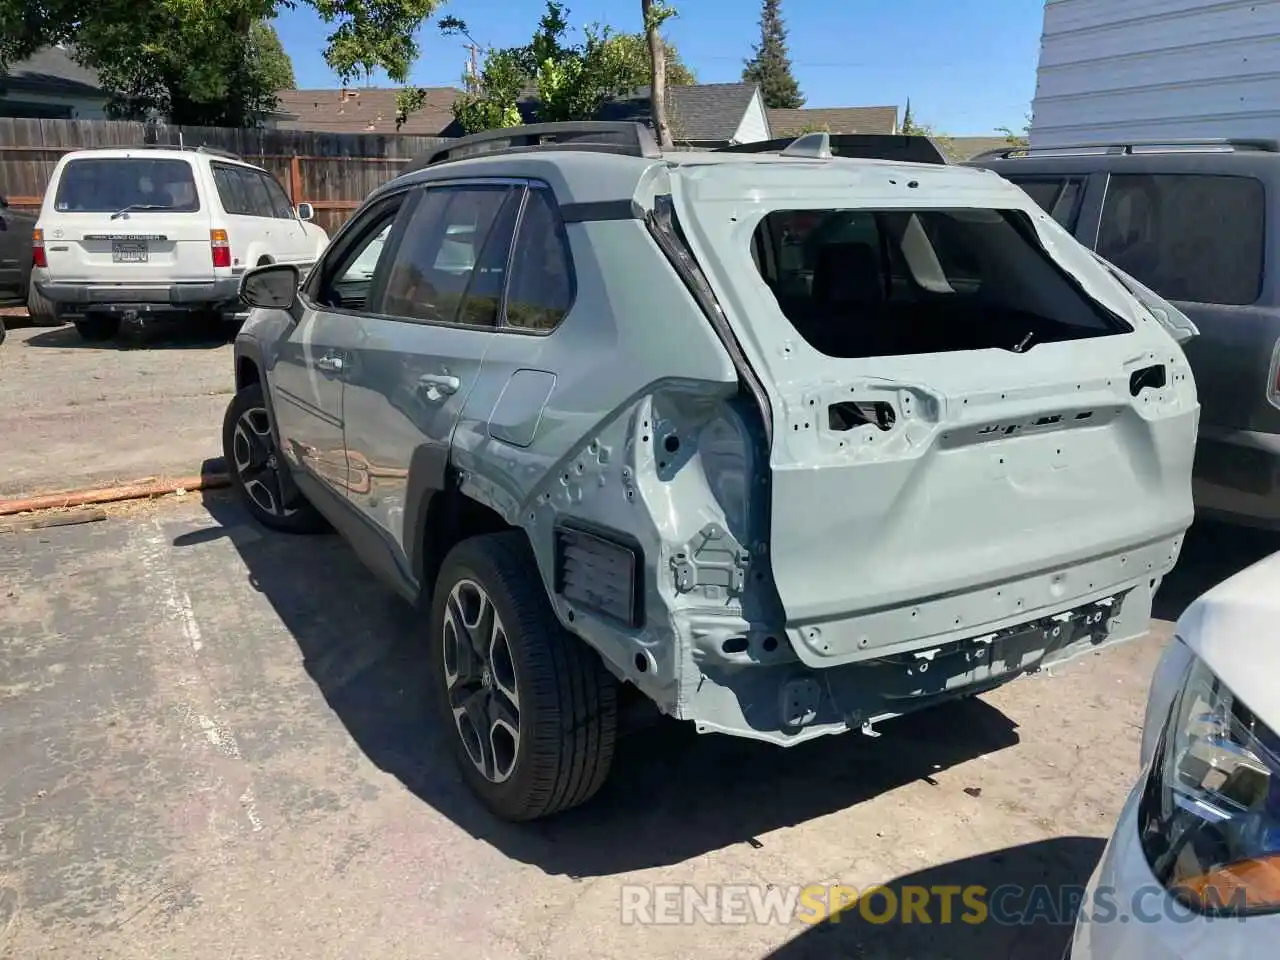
1209 820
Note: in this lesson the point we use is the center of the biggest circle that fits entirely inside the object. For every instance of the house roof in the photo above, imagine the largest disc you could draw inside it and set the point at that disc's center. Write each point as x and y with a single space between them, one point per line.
790 123
363 110
966 148
698 113
52 70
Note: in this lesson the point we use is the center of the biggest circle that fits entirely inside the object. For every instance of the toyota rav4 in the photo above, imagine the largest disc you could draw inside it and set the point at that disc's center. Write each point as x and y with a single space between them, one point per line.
789 440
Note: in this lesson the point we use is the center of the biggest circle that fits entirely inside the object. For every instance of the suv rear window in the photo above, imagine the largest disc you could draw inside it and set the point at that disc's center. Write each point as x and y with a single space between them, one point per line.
1191 237
867 283
142 184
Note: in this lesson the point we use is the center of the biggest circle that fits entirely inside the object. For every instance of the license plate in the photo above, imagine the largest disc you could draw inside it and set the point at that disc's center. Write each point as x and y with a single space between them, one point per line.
128 252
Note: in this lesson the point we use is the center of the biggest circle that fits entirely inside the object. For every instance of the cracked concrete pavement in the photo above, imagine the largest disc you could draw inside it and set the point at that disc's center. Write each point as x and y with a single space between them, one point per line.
76 414
214 742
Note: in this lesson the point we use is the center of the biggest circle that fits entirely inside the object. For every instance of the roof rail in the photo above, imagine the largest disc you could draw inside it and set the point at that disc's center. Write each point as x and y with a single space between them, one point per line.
597 136
213 151
1132 147
864 146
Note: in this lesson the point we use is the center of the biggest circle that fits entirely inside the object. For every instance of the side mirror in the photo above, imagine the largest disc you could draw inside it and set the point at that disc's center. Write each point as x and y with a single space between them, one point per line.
271 287
306 211
4 203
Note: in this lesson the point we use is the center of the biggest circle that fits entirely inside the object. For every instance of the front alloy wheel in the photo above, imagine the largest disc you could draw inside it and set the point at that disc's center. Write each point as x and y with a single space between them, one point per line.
258 473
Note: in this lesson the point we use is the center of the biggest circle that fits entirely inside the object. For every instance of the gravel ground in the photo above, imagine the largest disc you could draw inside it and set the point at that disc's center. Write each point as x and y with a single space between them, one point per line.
215 742
75 414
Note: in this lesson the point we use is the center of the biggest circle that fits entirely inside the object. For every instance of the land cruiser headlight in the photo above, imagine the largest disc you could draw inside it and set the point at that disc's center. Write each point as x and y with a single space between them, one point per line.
1209 819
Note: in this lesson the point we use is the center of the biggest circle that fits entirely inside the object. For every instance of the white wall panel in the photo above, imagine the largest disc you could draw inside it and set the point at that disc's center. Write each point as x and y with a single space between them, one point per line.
1141 69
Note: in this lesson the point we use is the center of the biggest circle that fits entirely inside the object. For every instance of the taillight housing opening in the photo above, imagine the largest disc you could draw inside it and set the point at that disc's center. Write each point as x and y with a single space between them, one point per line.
38 256
220 247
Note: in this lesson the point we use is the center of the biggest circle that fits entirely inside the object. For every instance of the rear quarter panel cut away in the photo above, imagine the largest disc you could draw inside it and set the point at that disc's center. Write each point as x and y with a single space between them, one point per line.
971 429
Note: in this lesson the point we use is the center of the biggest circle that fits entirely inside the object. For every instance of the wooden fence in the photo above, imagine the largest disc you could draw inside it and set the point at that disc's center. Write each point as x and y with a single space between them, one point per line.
333 172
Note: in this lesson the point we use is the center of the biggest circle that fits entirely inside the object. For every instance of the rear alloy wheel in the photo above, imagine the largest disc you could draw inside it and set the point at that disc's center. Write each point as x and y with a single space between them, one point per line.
258 471
530 708
97 329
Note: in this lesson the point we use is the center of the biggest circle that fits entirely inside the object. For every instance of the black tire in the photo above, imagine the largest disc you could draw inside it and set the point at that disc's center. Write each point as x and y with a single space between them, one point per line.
568 701
42 311
97 329
255 489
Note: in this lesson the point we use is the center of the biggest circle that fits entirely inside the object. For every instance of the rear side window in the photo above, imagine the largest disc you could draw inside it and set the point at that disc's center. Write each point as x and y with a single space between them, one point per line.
541 290
867 283
1192 237
443 254
1057 196
139 184
249 193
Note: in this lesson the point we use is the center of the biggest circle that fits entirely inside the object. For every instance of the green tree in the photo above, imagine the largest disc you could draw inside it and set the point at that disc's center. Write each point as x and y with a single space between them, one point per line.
573 80
908 121
1020 138
910 128
770 66
207 61
634 48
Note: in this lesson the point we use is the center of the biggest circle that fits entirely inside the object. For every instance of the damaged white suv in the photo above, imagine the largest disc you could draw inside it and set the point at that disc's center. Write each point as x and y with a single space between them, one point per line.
789 443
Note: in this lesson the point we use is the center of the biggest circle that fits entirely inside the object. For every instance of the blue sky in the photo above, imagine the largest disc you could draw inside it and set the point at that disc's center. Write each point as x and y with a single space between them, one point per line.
967 65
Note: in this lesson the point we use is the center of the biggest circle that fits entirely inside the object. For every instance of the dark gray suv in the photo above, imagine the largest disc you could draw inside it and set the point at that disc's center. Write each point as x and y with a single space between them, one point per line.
1199 223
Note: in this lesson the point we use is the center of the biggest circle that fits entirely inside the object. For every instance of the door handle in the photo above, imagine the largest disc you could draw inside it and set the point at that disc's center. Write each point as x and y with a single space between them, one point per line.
330 363
440 383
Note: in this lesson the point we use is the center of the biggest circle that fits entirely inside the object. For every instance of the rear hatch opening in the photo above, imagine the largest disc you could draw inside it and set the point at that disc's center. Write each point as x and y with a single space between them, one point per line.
860 283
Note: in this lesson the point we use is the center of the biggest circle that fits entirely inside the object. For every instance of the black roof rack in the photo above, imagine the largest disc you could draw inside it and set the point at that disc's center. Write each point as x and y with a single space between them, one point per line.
865 146
597 136
1132 147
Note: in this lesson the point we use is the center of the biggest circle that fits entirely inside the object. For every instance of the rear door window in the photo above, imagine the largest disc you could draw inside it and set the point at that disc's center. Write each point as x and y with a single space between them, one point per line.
442 251
231 189
1191 237
139 184
867 283
281 208
259 197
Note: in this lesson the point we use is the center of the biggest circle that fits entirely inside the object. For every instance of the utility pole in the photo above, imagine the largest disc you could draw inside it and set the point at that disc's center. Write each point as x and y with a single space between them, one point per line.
473 69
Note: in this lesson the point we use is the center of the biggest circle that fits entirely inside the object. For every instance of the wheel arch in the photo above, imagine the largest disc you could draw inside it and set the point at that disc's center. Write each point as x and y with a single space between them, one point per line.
439 515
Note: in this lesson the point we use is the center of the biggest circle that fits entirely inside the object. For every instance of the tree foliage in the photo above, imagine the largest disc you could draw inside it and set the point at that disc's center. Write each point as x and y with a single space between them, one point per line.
1020 138
770 64
207 61
911 128
572 81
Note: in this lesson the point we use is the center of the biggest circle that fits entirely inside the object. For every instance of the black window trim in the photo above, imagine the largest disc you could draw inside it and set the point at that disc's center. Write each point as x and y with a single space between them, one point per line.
1264 275
354 231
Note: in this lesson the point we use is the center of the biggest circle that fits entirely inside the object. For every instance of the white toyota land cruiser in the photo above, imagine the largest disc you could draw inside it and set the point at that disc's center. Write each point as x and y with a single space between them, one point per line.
135 232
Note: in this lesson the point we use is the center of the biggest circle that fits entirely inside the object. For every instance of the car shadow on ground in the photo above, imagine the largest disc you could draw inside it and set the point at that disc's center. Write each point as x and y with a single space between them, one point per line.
1031 895
672 795
192 334
1211 553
